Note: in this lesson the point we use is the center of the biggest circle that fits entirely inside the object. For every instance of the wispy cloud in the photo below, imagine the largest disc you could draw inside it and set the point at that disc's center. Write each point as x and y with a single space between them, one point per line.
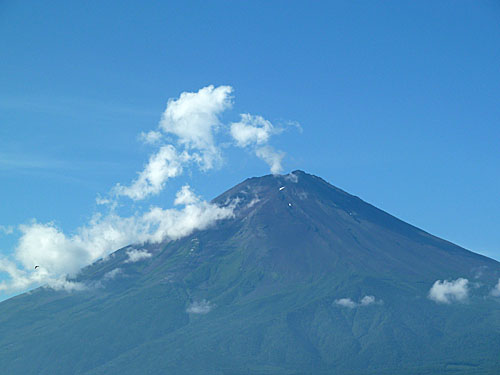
6 229
152 137
113 274
24 161
135 255
449 291
68 106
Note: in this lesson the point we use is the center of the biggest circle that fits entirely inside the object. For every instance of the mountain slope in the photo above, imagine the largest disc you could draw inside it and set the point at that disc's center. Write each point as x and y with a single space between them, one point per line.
259 294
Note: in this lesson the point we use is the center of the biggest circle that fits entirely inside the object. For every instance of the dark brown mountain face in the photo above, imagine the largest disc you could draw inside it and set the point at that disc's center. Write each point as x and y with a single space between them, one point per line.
305 279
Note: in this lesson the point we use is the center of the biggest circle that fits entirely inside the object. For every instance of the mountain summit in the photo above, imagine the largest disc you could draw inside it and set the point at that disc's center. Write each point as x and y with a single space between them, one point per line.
303 279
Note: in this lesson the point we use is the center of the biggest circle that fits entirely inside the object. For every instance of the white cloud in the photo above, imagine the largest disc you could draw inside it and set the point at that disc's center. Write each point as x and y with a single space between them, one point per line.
59 255
449 291
20 279
190 122
46 246
253 202
252 130
271 157
365 301
112 274
9 229
62 283
292 177
186 196
137 255
255 131
102 201
165 164
152 137
174 224
495 292
194 117
202 307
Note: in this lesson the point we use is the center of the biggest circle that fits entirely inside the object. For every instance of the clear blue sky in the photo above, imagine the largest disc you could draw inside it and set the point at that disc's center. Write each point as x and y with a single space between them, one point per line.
398 102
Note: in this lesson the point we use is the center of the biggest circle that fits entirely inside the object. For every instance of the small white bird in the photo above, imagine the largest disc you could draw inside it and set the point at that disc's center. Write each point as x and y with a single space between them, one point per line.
281 188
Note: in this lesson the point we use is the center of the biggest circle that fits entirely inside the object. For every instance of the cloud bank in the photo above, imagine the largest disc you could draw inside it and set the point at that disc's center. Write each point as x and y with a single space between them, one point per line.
449 291
185 138
59 255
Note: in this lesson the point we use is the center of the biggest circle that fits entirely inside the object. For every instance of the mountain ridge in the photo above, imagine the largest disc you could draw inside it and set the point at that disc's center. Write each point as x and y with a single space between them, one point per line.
277 289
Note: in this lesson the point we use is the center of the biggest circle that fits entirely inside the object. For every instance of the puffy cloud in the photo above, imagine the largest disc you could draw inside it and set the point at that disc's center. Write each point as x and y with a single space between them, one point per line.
251 130
137 255
449 291
346 302
365 301
46 246
20 279
203 307
59 255
174 224
190 122
495 292
255 131
194 117
165 164
185 196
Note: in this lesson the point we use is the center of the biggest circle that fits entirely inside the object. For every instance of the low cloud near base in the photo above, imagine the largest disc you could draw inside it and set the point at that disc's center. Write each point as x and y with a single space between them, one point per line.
188 136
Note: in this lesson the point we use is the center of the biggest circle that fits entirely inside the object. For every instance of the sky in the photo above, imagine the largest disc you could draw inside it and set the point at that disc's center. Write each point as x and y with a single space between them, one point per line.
119 119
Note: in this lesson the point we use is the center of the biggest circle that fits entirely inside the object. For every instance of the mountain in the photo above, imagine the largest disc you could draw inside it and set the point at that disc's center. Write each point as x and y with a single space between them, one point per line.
304 279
